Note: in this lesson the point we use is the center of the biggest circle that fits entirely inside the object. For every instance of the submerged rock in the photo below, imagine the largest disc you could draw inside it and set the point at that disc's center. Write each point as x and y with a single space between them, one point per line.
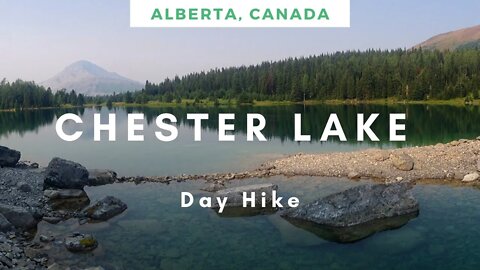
65 174
101 177
293 235
235 195
354 233
238 211
69 199
18 216
471 177
78 242
53 194
234 205
105 209
358 205
402 161
8 157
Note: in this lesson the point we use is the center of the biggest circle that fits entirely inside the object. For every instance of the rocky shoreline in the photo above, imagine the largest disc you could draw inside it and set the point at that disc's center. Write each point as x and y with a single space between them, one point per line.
29 194
457 161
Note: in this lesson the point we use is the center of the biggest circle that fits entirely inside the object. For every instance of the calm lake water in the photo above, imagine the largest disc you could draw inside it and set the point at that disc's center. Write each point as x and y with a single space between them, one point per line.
33 133
155 233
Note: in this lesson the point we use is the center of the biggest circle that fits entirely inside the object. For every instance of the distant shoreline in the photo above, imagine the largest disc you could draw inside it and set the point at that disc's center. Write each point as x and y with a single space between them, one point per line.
266 103
233 103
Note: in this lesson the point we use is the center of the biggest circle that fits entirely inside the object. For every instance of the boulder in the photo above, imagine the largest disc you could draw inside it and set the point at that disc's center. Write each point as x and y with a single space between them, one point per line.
105 209
101 177
5 225
65 174
402 161
235 195
478 164
18 216
8 157
353 233
78 242
471 177
358 205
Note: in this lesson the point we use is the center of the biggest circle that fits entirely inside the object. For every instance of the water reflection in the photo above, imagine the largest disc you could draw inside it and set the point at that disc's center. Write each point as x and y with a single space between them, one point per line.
33 133
353 234
425 124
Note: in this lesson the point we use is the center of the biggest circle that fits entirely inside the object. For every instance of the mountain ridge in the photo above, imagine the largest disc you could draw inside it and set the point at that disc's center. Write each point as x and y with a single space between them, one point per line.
457 39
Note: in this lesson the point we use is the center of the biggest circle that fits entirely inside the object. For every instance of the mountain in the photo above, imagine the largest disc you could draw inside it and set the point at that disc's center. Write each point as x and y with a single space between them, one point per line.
87 78
459 39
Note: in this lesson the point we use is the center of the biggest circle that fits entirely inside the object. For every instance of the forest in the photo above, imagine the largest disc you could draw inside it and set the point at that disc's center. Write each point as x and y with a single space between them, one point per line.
353 75
22 95
374 74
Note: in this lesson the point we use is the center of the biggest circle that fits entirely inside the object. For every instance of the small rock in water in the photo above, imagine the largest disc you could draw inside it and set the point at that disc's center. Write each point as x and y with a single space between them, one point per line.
393 181
471 177
78 242
106 208
354 175
46 239
53 194
450 175
402 161
101 177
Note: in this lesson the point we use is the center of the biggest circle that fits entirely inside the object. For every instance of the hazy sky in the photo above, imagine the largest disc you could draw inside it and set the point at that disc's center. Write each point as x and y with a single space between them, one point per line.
39 38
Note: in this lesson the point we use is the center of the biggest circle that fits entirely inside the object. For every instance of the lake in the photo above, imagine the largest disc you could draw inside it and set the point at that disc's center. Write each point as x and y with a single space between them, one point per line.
33 133
155 233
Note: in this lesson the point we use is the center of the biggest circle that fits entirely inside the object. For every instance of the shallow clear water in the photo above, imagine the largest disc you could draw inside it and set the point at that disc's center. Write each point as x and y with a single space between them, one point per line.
155 233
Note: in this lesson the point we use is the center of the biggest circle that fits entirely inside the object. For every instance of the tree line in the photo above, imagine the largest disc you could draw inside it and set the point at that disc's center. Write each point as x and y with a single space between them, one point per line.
374 74
22 95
